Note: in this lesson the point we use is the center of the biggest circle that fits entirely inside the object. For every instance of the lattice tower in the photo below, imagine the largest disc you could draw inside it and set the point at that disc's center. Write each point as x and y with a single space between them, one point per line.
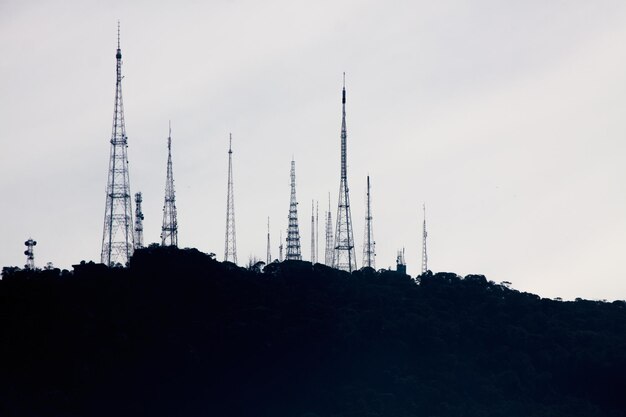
313 257
344 257
230 250
330 242
293 231
118 237
269 250
424 235
169 230
30 254
369 246
138 221
280 247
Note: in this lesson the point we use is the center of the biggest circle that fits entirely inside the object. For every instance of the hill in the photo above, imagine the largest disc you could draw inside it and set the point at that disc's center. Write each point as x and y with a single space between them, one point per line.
180 334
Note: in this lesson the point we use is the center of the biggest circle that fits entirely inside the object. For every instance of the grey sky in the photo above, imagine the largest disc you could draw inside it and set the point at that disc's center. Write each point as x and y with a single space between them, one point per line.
507 118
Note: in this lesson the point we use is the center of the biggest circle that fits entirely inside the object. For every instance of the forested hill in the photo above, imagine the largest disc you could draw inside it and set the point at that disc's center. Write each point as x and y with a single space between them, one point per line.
180 334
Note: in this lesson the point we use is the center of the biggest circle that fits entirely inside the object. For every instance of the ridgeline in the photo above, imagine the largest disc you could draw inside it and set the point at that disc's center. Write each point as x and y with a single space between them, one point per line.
181 334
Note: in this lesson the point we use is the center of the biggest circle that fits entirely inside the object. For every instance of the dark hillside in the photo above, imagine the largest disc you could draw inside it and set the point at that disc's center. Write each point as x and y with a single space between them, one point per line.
180 334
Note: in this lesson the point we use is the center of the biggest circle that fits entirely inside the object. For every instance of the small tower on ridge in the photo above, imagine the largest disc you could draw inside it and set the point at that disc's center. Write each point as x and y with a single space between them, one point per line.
169 230
293 231
138 221
369 246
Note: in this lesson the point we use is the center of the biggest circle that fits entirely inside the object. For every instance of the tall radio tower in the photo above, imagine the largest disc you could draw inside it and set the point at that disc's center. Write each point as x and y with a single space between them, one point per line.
344 239
138 221
169 231
117 237
269 251
369 247
424 235
230 251
330 249
313 257
293 231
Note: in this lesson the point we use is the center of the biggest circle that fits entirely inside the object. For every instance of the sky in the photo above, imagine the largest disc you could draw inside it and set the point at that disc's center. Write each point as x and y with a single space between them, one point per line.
506 118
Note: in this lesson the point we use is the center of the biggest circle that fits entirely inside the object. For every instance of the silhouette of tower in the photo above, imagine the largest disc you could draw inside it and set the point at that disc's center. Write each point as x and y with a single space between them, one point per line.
400 262
169 230
424 235
344 239
30 254
117 237
280 247
138 221
330 243
369 246
317 231
313 257
230 251
269 251
293 231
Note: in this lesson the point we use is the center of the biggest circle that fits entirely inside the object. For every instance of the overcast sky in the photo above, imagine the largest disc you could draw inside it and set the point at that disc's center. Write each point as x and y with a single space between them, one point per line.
507 118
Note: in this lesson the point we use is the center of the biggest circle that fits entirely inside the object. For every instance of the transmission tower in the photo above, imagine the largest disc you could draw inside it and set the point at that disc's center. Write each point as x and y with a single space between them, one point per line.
313 260
269 251
317 231
424 235
30 254
138 221
169 230
280 247
369 248
344 258
117 237
330 244
230 251
293 231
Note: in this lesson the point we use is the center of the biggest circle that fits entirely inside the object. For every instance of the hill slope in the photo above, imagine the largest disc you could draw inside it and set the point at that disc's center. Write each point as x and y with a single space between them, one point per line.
180 334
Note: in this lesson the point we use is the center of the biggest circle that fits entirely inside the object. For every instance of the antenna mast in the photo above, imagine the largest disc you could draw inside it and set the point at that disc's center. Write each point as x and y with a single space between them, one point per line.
317 231
280 247
138 222
169 231
293 231
313 260
117 236
424 235
344 258
230 251
30 254
369 249
269 252
329 236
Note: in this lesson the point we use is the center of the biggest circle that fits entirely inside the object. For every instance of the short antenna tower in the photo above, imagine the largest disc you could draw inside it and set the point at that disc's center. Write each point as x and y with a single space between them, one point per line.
344 257
330 243
138 221
117 236
280 247
369 248
230 251
424 235
169 231
313 257
30 254
269 251
293 231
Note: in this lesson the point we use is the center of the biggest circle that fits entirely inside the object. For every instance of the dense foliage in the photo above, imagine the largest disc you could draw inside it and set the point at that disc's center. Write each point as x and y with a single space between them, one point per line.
180 334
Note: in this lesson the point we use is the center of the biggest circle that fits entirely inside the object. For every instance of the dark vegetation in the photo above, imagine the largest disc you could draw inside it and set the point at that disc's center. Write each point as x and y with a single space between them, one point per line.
180 334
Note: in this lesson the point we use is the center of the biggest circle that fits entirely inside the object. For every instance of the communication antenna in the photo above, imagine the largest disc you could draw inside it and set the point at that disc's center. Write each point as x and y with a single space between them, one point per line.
369 248
138 222
169 230
230 251
293 231
424 235
30 254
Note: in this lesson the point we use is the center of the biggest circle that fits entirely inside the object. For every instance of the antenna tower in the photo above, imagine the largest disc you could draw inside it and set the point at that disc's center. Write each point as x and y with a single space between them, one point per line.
313 257
269 252
344 258
424 235
293 231
117 237
138 221
369 248
329 236
230 251
280 247
317 231
30 254
169 231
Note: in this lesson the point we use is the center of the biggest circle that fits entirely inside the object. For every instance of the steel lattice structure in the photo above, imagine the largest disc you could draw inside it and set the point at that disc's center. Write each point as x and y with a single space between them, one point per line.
117 237
30 254
138 221
293 231
169 230
280 247
344 257
269 250
230 245
369 246
424 235
330 243
313 254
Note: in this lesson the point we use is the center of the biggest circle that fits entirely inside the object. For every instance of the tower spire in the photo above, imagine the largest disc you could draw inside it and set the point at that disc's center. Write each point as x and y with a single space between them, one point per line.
424 235
230 251
313 257
138 221
293 231
369 246
169 230
269 251
344 257
330 248
117 236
